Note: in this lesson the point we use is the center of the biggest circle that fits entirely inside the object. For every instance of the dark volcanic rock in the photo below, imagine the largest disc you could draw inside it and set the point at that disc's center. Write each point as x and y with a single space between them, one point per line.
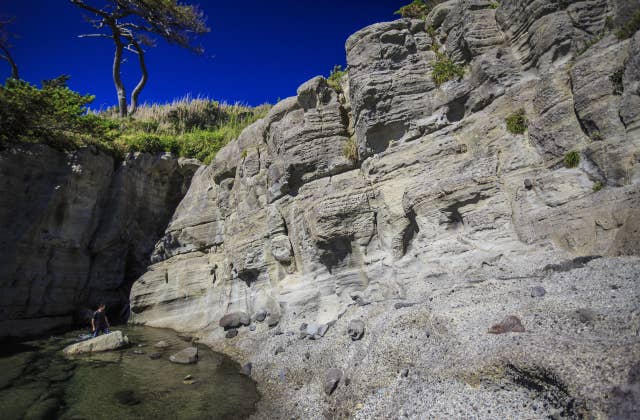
356 329
509 324
331 380
538 291
234 320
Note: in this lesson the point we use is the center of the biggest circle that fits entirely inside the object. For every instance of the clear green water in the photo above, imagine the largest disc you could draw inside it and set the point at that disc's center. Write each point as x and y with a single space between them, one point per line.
36 381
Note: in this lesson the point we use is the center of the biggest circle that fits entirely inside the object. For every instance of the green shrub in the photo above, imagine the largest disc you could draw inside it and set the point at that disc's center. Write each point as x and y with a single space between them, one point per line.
494 5
597 186
350 150
58 116
630 28
517 122
53 115
445 69
572 159
335 78
417 9
596 136
617 81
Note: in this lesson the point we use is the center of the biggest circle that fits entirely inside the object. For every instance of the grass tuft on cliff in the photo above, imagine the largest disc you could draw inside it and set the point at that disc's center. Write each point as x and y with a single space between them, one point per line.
417 9
335 78
59 117
517 122
631 27
572 159
445 69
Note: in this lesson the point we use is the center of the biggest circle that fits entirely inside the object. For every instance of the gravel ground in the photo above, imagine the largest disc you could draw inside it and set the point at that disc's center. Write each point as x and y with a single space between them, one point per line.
436 359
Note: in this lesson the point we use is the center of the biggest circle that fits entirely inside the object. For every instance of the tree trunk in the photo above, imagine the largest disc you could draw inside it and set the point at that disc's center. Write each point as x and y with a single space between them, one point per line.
117 80
14 67
143 78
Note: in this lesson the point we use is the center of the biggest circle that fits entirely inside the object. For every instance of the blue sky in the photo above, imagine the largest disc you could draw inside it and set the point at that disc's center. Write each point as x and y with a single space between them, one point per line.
257 51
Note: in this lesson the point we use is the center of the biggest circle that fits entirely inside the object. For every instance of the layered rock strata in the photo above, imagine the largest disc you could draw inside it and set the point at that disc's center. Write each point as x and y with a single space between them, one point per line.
77 229
437 232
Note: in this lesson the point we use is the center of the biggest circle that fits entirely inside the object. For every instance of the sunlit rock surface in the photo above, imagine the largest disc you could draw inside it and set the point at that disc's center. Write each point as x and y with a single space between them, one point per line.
439 231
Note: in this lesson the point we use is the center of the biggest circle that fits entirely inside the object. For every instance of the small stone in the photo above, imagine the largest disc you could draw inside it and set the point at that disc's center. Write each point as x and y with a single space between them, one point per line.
273 320
260 316
190 381
155 356
278 331
138 352
400 305
509 324
404 372
538 291
234 320
186 378
252 327
586 315
528 184
161 345
186 356
307 356
279 350
355 330
246 369
231 333
331 380
127 397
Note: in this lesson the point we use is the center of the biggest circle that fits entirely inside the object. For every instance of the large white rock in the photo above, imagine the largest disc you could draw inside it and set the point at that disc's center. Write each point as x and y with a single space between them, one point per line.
105 342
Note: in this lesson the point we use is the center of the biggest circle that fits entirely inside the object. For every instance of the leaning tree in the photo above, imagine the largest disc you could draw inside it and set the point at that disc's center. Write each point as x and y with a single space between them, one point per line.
5 45
132 24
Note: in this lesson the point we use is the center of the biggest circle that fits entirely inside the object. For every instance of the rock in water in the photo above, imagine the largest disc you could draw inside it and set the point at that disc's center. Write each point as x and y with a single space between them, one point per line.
185 357
235 320
509 324
356 329
331 380
246 369
112 341
161 345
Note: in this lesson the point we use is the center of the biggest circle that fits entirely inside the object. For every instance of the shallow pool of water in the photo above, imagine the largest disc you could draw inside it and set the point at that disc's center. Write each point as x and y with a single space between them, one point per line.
36 381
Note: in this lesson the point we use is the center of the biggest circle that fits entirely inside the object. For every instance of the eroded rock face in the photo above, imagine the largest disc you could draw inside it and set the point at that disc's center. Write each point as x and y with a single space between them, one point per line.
283 226
75 232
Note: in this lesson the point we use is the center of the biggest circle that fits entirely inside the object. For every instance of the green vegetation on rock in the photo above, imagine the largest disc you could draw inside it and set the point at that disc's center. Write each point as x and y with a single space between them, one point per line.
572 159
53 115
617 81
517 122
445 69
597 186
350 149
60 117
630 28
417 9
335 78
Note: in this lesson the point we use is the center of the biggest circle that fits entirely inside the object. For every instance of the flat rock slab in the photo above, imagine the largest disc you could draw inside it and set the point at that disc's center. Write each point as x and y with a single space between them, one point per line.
106 342
185 357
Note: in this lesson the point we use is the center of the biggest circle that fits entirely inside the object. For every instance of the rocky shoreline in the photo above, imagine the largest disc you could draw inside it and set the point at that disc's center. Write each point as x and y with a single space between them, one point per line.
437 359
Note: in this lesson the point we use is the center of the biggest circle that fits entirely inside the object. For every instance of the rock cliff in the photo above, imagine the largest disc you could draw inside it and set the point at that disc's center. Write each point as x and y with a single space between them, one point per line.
446 268
76 229
445 225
